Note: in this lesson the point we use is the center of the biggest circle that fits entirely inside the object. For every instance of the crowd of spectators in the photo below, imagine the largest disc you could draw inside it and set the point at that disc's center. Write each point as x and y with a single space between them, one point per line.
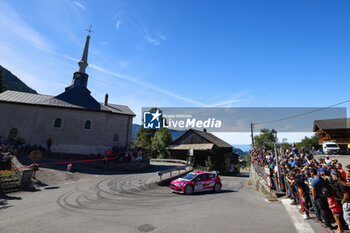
6 154
120 154
320 186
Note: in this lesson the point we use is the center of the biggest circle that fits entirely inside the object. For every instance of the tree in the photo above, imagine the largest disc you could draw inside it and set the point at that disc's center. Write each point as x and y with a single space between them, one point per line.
215 163
264 139
144 138
309 143
160 141
2 82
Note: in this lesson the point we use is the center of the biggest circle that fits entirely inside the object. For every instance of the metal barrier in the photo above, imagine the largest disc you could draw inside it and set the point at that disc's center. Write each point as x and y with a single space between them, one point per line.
170 161
186 168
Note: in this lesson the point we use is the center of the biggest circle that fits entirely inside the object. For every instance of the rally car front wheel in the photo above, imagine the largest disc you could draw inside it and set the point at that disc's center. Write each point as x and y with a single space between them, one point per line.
188 189
217 187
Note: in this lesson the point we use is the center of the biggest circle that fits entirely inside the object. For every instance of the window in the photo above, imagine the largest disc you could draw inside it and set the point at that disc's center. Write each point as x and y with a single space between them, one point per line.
189 176
87 124
116 137
57 123
201 177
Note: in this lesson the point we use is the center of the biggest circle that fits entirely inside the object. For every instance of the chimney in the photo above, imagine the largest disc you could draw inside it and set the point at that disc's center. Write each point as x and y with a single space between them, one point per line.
106 99
205 130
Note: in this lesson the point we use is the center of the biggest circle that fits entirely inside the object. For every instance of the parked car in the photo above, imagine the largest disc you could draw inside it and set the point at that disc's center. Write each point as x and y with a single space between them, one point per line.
344 152
330 147
197 181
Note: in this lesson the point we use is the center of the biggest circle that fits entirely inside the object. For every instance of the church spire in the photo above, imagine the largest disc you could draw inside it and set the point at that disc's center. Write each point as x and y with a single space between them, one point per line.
83 61
80 77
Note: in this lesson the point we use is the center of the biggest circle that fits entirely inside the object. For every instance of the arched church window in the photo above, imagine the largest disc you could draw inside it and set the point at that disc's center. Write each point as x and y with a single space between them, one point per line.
87 124
57 123
116 137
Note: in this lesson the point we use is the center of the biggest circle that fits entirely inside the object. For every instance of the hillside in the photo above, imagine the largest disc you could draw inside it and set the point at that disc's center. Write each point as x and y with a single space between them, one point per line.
15 84
174 133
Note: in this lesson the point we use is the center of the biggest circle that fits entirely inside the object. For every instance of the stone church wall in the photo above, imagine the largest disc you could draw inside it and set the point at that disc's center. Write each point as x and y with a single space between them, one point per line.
36 124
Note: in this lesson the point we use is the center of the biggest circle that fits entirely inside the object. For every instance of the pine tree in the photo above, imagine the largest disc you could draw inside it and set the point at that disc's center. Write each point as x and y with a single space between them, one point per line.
2 82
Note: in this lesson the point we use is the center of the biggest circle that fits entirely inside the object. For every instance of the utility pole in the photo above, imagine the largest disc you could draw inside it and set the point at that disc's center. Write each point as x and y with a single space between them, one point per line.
251 134
274 133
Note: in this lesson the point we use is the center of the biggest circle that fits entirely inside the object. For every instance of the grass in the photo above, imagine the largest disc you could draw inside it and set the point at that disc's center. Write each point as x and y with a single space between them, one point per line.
6 174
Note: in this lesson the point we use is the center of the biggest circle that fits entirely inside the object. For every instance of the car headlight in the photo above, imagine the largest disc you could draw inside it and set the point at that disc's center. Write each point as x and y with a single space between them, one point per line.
179 184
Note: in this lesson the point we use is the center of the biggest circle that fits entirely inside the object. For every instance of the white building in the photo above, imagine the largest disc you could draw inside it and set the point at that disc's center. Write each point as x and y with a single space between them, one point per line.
74 120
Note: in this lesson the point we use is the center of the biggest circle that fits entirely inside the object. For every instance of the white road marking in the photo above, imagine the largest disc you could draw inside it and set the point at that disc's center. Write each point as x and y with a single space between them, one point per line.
301 225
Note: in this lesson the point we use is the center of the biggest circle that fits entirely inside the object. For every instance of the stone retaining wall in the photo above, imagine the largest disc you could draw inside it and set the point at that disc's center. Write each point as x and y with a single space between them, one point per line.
21 178
259 182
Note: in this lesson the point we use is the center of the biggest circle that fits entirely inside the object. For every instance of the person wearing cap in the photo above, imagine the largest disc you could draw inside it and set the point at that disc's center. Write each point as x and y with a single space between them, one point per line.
296 161
317 184
340 169
313 203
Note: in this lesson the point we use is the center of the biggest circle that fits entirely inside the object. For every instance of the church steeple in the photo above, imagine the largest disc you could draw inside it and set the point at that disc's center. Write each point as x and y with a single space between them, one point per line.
80 78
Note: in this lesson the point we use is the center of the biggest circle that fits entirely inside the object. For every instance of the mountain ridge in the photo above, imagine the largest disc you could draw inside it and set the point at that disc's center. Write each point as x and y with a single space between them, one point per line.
13 83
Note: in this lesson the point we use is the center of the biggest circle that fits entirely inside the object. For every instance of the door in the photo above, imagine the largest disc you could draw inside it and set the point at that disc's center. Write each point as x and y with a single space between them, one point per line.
199 182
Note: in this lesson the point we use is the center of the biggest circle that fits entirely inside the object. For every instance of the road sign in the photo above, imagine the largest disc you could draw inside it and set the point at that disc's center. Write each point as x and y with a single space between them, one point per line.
35 155
267 170
190 152
268 180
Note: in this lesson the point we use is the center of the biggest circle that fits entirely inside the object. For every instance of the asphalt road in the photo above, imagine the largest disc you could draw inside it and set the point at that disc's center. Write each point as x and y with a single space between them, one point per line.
133 203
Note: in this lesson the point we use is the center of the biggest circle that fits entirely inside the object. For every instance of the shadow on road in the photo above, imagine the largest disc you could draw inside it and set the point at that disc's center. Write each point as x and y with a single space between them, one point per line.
4 196
4 200
81 168
214 193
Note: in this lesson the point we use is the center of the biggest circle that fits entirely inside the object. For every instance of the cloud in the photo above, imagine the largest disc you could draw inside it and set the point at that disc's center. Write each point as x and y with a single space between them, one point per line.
155 40
138 82
145 85
161 36
117 25
12 25
151 39
226 103
81 6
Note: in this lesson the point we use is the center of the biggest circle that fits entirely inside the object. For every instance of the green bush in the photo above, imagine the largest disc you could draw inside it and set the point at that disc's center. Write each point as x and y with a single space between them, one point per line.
214 163
7 174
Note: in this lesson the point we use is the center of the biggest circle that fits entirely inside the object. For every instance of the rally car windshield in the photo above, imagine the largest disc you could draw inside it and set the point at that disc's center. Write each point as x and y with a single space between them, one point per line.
189 176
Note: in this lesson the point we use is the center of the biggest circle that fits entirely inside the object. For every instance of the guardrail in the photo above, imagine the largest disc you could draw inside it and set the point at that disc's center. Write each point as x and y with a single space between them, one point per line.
186 168
171 161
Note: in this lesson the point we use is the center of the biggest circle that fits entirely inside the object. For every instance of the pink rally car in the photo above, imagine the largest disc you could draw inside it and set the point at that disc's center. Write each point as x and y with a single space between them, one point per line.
197 181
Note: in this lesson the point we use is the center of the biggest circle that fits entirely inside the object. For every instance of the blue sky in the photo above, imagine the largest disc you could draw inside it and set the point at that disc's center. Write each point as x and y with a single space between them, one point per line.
187 53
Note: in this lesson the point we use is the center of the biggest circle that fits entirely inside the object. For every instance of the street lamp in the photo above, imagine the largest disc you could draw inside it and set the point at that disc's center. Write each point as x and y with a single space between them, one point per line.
274 133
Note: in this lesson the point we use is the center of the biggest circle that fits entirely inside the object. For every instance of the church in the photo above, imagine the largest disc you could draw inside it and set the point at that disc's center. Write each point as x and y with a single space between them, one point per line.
74 121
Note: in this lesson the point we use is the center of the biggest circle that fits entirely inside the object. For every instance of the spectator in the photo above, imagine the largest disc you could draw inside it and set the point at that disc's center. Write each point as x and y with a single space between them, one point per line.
303 191
340 169
334 206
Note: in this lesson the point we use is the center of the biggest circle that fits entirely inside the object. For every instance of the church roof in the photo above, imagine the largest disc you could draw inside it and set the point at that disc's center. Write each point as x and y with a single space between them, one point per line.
64 101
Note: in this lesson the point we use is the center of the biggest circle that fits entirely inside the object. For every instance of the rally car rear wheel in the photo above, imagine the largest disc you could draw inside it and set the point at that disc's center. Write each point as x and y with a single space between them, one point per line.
217 187
188 189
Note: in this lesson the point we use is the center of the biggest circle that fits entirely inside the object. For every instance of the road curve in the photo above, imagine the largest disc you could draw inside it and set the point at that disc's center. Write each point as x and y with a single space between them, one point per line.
134 203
